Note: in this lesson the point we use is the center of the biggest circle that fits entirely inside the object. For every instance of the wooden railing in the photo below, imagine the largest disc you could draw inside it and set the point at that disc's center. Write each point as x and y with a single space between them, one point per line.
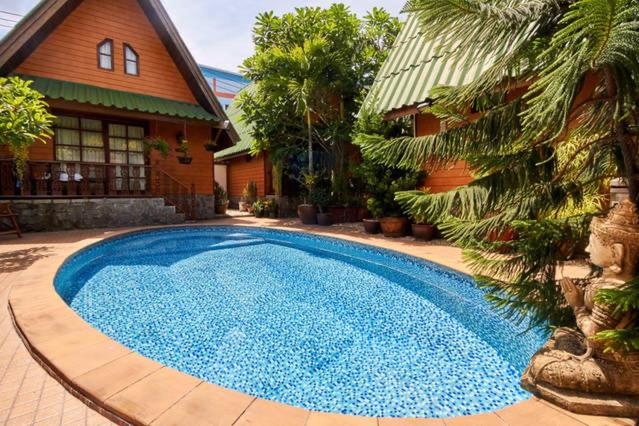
75 179
175 193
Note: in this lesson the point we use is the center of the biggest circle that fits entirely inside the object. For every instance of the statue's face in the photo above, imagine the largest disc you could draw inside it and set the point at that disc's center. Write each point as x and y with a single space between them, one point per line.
600 254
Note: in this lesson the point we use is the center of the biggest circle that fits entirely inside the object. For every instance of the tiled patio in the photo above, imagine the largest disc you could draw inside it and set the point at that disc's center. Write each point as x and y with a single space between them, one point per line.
28 395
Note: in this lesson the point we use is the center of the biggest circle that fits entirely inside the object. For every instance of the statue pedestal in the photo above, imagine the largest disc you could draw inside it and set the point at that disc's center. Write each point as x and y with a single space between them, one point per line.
594 386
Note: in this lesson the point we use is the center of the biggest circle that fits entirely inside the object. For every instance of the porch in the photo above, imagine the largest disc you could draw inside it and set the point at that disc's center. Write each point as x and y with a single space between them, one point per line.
64 195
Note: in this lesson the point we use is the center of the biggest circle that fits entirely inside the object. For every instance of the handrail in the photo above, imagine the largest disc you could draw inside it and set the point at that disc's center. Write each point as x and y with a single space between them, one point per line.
77 179
175 193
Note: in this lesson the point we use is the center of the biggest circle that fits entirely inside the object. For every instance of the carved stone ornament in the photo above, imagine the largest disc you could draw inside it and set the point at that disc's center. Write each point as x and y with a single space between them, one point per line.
572 370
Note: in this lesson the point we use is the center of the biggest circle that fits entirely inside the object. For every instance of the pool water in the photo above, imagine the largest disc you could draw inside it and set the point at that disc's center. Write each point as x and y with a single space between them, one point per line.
309 321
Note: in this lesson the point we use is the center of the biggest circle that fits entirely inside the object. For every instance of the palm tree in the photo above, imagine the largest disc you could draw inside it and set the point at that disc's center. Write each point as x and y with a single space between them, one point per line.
559 118
305 81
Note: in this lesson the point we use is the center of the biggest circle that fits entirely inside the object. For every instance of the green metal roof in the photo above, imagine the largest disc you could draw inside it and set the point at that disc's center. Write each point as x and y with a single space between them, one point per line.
84 93
243 146
415 66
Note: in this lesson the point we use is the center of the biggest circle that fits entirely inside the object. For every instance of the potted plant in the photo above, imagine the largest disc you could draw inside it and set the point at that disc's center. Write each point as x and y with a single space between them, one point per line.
322 198
381 183
305 211
221 199
371 226
156 144
210 146
183 148
270 208
259 208
249 196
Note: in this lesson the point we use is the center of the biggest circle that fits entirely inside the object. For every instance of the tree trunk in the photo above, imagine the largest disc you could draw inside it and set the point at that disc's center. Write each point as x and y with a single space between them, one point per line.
625 144
310 141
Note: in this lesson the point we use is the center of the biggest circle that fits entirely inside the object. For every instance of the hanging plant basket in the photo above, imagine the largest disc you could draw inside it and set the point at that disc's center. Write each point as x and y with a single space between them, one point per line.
210 147
185 160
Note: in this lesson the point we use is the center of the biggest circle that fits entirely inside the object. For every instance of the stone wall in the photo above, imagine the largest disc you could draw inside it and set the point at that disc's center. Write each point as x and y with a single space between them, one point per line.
204 206
62 214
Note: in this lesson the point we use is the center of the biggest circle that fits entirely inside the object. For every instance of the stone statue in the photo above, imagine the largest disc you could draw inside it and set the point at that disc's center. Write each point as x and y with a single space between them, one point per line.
572 370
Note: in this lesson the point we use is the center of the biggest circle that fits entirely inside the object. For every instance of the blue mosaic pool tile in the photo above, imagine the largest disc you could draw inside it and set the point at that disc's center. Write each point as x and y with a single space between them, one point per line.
310 321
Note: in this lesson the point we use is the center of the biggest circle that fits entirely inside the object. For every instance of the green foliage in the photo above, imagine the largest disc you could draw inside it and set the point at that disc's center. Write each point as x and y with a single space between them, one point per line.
24 119
311 69
156 144
220 194
249 193
183 148
380 185
539 156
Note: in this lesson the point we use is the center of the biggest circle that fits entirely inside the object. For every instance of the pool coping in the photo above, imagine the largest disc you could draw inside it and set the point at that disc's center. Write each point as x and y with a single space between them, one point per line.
129 388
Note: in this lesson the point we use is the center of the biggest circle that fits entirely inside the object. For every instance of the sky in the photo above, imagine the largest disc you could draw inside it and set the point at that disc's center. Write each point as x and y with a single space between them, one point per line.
218 32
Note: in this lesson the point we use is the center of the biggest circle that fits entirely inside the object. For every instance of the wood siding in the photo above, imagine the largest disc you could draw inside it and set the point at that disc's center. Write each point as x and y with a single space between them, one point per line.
445 178
200 171
70 51
243 169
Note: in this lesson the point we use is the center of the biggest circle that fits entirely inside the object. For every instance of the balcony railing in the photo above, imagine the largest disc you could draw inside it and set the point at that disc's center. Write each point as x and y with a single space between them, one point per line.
70 179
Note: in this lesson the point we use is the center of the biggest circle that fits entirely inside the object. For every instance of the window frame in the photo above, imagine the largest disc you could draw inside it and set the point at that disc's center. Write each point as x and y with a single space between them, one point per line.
126 46
102 43
105 137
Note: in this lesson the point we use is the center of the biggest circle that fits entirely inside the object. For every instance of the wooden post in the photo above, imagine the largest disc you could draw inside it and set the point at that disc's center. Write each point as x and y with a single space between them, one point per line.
193 211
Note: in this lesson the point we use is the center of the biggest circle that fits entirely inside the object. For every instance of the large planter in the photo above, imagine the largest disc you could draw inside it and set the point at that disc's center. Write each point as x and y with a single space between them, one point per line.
422 231
371 226
394 227
506 236
221 208
362 213
307 214
324 219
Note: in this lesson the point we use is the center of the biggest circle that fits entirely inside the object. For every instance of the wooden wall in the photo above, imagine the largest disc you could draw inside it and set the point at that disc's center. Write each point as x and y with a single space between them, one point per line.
200 171
243 169
446 178
70 51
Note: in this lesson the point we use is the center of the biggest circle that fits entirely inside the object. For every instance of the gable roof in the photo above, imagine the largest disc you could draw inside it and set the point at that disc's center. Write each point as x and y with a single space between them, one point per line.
415 66
244 129
34 27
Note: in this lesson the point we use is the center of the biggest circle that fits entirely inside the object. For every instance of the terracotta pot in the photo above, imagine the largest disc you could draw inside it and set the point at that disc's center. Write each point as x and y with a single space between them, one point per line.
324 219
422 231
371 226
185 160
338 214
507 235
394 227
307 214
243 206
362 214
221 208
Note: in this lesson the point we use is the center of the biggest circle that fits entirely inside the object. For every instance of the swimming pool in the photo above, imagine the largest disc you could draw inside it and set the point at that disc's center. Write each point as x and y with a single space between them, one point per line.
305 320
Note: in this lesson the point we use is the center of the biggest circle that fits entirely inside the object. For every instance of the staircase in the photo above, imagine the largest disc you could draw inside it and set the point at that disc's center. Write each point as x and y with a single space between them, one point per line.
175 194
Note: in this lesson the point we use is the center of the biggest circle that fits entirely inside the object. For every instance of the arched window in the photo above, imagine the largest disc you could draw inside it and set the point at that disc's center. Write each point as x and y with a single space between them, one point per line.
105 54
131 61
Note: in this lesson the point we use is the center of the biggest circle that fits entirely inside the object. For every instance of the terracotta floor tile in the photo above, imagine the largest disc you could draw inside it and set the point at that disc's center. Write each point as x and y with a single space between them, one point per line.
88 358
330 419
109 379
71 342
411 422
489 419
147 399
206 404
269 413
533 413
51 421
24 420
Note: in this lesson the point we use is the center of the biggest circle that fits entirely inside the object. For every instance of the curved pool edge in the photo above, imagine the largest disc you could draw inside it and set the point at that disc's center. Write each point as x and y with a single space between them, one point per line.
129 388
